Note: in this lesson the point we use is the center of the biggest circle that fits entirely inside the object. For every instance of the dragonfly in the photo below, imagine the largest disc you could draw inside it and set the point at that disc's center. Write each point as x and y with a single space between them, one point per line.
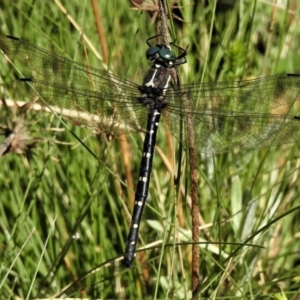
226 115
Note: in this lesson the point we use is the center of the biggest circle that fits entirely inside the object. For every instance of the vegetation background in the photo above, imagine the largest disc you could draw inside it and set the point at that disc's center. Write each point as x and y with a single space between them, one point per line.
65 212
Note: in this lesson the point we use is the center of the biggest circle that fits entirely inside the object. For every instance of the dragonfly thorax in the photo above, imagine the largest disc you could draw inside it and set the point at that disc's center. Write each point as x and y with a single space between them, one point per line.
155 85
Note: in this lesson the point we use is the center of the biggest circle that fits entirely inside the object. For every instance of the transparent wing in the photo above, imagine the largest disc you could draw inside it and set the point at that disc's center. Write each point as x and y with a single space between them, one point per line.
247 114
82 93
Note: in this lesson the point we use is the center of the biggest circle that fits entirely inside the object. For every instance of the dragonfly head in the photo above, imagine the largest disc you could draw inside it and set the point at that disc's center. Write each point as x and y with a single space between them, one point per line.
161 53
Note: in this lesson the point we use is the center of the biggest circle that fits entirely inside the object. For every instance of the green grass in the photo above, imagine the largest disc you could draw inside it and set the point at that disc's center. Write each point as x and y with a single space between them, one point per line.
64 213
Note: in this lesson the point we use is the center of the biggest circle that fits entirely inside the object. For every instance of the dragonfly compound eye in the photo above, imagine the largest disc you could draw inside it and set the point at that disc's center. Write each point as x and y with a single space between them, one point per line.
167 54
152 52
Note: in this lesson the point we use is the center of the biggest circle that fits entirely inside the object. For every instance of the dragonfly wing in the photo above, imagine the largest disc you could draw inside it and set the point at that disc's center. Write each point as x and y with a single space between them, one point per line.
247 114
84 94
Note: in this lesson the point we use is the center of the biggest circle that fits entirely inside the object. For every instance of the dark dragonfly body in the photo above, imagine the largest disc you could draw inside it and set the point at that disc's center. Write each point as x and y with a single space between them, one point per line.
225 115
153 92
